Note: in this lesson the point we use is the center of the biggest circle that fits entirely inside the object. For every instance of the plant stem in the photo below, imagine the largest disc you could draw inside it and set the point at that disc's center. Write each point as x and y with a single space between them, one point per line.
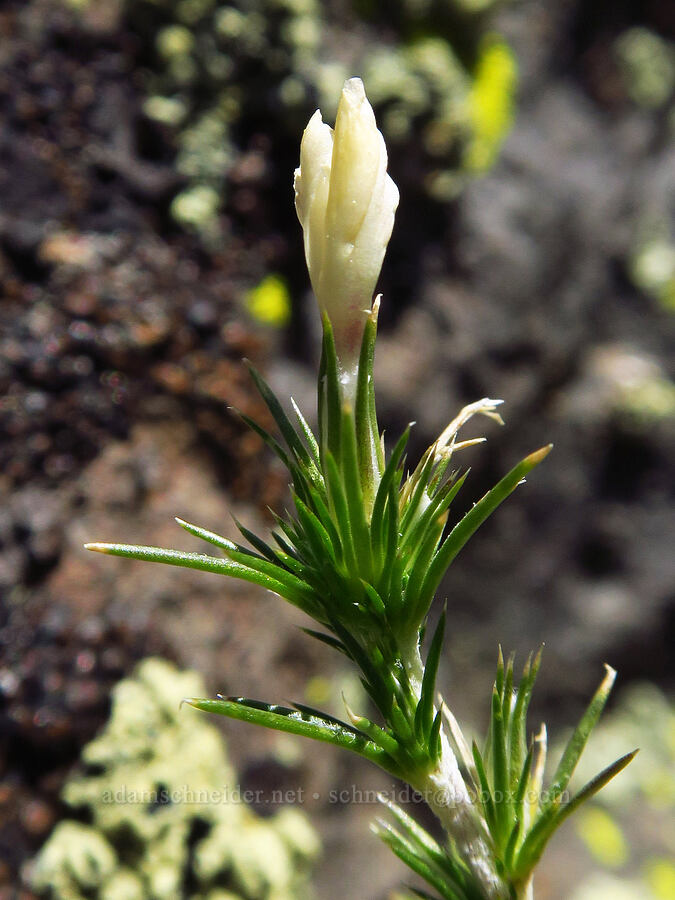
446 794
525 891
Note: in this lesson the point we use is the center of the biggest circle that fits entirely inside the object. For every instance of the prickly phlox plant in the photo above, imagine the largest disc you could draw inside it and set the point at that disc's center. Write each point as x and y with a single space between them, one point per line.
366 549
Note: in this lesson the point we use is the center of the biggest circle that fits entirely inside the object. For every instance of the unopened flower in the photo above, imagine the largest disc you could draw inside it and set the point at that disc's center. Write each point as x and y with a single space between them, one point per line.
346 203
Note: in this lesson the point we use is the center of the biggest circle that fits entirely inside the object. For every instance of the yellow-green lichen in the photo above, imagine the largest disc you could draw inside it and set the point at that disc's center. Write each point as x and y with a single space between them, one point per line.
270 302
491 102
652 268
164 810
222 72
647 62
603 837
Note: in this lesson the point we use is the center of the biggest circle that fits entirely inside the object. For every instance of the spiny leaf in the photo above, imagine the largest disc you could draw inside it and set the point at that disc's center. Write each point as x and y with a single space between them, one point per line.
271 442
423 867
378 735
426 847
330 405
351 479
435 738
461 744
467 526
499 678
210 536
500 773
399 723
284 583
425 708
414 595
384 489
317 536
536 786
340 509
507 697
328 640
318 501
521 788
284 424
512 843
293 721
487 801
439 504
388 582
419 483
376 602
555 814
324 717
308 434
371 463
518 723
260 545
577 742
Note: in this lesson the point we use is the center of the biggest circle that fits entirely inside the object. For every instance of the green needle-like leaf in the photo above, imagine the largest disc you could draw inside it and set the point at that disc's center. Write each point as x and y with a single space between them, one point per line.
437 507
435 737
340 510
577 742
328 640
425 708
425 868
518 721
210 536
308 434
261 546
284 424
329 395
351 479
427 848
376 734
285 584
271 442
500 771
467 526
317 536
487 801
390 476
555 814
295 721
371 461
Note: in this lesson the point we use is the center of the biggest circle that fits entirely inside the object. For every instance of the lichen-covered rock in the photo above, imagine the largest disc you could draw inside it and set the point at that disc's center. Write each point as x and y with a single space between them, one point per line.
165 812
223 73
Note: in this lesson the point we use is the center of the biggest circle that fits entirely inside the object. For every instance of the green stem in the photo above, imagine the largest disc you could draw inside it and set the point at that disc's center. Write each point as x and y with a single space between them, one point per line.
525 891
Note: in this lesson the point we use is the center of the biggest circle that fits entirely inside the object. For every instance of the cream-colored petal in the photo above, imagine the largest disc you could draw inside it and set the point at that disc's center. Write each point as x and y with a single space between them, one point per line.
316 150
356 158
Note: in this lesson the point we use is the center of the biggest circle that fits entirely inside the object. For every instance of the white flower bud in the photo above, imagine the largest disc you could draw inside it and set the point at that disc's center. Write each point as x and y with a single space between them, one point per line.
346 203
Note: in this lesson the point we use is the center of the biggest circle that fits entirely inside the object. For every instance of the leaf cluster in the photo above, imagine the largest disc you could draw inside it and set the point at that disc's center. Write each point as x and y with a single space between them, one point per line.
363 555
506 782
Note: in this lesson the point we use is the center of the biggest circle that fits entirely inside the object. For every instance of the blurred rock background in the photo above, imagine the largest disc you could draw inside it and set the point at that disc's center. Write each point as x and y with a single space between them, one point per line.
148 243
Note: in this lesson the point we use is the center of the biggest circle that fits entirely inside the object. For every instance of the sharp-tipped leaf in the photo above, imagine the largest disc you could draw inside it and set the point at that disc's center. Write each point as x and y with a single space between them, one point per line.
284 424
280 582
425 708
577 742
330 403
210 536
554 815
518 722
467 526
293 721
